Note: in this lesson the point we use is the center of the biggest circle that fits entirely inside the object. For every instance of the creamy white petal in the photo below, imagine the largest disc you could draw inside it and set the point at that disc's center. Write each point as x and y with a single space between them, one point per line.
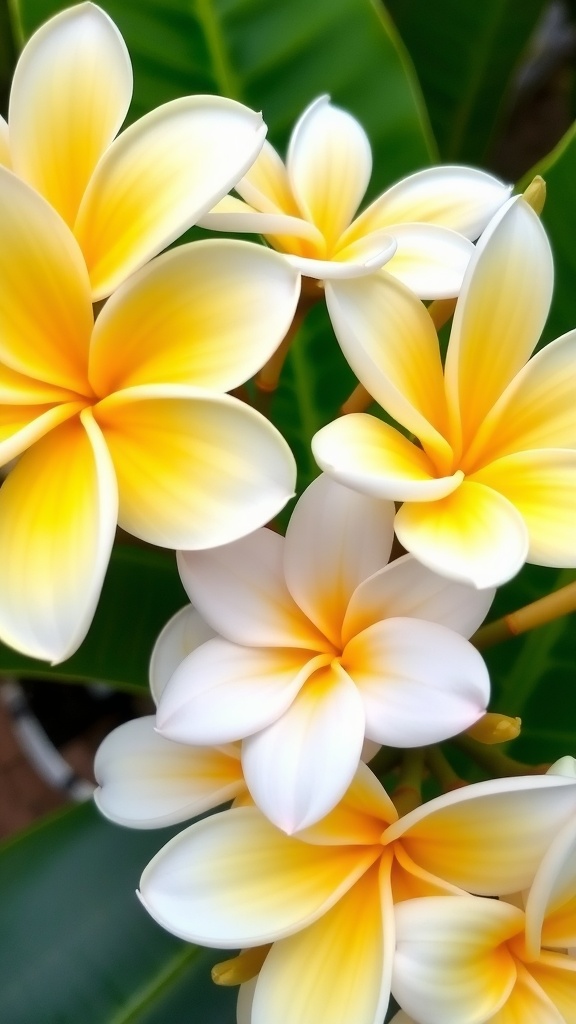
235 880
241 591
5 158
232 214
266 186
366 259
298 768
146 781
222 692
71 91
329 165
158 178
335 539
429 259
551 902
185 631
403 666
407 588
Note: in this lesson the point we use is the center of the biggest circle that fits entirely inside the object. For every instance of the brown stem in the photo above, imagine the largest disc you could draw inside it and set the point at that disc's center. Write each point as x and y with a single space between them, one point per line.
531 616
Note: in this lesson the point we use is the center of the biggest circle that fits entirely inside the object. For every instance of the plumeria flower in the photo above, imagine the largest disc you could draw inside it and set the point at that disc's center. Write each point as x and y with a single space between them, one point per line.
147 781
490 481
124 419
420 228
125 199
326 899
320 644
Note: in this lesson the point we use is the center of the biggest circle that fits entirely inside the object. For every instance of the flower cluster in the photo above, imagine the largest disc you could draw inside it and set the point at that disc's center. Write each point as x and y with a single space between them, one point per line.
314 675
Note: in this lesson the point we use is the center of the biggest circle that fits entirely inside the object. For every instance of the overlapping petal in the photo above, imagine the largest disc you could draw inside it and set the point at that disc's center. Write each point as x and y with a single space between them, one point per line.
338 969
235 880
150 185
58 511
146 781
301 765
5 158
402 665
240 469
46 312
231 214
336 538
185 631
430 260
209 314
266 185
474 535
22 425
551 902
64 111
556 976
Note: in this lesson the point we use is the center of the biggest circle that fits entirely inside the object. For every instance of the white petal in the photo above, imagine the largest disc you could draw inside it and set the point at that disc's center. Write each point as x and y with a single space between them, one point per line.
146 781
299 767
367 259
553 889
335 539
235 880
430 260
407 589
240 590
5 158
185 631
419 681
223 692
232 214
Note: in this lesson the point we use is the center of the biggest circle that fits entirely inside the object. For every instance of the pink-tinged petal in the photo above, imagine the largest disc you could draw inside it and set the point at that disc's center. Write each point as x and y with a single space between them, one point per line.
266 186
329 165
461 198
474 535
46 313
222 692
541 485
5 158
551 902
335 539
455 836
146 781
22 425
337 970
403 666
58 511
208 314
537 409
300 766
500 314
555 974
359 818
241 591
235 880
407 589
64 111
452 964
181 635
157 178
390 342
430 260
162 437
232 214
372 457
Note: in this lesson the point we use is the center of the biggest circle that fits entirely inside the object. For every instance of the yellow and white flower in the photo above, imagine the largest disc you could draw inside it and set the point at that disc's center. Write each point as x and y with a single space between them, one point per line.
125 199
327 898
490 481
420 228
125 419
319 644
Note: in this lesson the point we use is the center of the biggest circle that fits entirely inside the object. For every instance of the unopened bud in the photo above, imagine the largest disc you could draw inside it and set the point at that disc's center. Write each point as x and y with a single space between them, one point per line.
493 728
535 194
240 968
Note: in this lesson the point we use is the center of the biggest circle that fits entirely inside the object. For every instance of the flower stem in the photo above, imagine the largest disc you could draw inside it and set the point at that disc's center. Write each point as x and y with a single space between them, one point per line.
359 401
408 792
494 762
443 770
531 616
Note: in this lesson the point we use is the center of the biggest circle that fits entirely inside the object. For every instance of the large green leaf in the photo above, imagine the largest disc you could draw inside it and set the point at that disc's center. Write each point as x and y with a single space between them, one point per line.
465 54
77 945
141 591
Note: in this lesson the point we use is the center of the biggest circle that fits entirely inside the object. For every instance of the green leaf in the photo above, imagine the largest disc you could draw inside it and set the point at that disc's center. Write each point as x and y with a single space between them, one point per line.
465 54
78 947
141 591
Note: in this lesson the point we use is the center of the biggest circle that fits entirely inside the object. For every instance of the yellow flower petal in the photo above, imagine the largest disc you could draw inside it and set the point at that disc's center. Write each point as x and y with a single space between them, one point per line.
266 187
555 974
158 178
22 425
541 485
358 820
46 314
208 314
194 470
71 92
500 314
474 535
337 970
57 524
